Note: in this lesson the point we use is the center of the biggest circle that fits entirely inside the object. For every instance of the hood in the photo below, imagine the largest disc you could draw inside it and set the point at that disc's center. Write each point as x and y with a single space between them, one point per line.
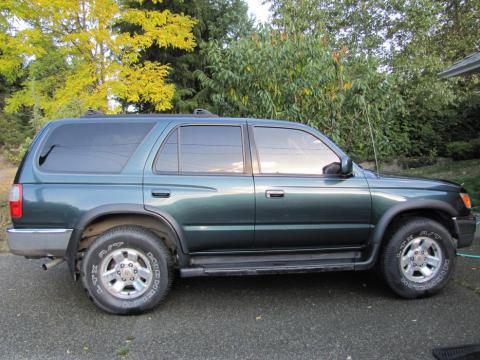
414 181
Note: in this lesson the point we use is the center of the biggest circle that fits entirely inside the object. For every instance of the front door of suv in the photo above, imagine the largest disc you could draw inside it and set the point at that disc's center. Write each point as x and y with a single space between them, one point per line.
201 179
301 201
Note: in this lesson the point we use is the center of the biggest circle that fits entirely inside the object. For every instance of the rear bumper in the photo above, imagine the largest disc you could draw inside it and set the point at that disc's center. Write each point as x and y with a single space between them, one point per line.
465 230
38 242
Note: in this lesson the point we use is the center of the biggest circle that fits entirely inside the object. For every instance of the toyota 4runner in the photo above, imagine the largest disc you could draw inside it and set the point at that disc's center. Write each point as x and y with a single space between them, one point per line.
128 201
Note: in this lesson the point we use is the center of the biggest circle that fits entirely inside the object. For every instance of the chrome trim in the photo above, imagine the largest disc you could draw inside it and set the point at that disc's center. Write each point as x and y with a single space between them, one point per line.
38 242
38 231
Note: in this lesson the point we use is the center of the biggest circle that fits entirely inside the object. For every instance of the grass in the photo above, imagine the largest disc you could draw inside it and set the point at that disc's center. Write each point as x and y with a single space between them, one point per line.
123 351
466 173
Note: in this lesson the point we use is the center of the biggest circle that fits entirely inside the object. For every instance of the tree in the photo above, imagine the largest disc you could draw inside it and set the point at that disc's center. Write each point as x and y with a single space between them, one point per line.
308 81
412 42
429 36
75 58
222 21
358 25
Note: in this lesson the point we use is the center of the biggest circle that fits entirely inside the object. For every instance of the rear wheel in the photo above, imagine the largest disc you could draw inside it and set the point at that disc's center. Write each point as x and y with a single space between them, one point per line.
127 270
418 259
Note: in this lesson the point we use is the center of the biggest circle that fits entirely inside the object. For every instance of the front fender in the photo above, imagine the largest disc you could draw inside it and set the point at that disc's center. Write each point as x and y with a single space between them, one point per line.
386 219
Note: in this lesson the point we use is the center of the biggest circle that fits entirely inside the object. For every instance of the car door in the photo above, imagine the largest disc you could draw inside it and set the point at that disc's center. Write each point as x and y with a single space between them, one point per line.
201 179
301 200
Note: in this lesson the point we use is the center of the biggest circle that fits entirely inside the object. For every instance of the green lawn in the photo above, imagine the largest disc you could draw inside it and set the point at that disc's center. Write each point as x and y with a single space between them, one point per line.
466 173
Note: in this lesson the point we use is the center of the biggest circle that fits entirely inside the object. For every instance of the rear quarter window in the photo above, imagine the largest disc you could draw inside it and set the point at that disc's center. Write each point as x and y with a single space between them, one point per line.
91 148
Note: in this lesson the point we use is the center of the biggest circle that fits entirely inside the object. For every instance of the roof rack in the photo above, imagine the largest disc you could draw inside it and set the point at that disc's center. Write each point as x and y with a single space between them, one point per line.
196 113
92 112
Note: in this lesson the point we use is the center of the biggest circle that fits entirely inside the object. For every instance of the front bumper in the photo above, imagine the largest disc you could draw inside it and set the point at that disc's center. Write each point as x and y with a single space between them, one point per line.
39 242
465 230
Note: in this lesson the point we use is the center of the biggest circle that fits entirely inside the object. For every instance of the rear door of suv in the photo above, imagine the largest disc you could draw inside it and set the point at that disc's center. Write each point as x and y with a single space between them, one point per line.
300 203
199 176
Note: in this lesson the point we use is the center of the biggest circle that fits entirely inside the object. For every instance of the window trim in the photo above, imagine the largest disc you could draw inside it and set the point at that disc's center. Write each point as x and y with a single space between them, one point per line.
247 168
256 155
49 129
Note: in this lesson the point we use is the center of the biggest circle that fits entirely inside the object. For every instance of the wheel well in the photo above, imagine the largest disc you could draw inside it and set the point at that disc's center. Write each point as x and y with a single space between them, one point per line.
106 222
439 216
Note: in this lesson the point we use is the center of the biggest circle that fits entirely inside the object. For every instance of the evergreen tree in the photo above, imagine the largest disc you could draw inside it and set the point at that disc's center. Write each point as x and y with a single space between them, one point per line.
222 21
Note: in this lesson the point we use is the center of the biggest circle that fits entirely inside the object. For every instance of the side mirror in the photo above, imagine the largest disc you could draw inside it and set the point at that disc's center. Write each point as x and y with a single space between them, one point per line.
346 166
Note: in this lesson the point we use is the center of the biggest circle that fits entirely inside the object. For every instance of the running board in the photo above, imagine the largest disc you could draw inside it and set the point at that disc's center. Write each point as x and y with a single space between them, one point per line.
269 264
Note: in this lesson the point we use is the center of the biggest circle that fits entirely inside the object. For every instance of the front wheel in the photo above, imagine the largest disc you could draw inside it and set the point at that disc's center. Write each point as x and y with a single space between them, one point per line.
418 259
127 270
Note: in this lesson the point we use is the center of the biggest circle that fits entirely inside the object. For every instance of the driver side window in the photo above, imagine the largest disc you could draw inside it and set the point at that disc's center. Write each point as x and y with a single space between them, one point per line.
292 151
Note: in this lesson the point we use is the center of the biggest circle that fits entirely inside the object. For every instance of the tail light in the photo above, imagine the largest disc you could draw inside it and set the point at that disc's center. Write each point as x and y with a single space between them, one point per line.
16 201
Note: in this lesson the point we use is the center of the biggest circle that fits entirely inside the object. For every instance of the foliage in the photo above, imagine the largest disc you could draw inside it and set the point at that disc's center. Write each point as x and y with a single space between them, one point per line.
387 28
429 36
358 25
14 128
223 21
303 78
464 150
330 64
73 58
413 41
460 150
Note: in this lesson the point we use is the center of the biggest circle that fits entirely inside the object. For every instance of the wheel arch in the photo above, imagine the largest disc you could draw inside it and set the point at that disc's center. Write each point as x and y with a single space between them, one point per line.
102 218
433 209
439 211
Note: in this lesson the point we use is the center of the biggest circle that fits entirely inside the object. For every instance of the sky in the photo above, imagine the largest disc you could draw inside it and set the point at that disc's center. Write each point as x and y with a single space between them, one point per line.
258 10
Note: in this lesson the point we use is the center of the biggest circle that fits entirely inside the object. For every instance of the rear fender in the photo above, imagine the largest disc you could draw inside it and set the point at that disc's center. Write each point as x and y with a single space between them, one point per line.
118 209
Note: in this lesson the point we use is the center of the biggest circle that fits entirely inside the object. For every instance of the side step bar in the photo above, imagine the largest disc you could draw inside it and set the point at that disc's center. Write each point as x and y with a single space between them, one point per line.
262 270
269 264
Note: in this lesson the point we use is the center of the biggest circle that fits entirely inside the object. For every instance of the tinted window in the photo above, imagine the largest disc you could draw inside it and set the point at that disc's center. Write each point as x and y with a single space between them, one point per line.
92 148
205 148
167 159
289 151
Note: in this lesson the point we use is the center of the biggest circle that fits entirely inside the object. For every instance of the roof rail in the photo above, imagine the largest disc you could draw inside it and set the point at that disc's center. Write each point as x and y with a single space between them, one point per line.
196 113
203 112
91 112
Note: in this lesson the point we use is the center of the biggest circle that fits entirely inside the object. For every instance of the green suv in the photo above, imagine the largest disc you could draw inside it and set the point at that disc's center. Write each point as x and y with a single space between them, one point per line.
128 201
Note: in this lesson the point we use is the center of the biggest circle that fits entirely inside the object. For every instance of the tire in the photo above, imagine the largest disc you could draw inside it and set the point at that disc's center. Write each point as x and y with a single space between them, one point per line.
127 270
419 258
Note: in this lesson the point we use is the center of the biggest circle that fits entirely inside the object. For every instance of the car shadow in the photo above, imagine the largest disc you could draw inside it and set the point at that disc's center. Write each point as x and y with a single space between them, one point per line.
367 283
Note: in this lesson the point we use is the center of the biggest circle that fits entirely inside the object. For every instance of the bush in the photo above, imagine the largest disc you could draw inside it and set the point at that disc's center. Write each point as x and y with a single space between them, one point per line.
464 150
304 78
15 136
476 147
15 155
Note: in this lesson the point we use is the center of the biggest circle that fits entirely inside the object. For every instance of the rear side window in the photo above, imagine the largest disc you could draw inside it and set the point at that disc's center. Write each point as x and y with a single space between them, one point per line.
167 159
92 148
202 149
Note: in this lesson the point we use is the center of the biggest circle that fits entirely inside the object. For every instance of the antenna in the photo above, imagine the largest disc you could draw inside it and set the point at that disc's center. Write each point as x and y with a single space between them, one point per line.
373 141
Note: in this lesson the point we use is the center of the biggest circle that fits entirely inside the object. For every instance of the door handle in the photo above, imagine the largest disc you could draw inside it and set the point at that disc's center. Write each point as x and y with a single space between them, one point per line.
274 194
161 193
